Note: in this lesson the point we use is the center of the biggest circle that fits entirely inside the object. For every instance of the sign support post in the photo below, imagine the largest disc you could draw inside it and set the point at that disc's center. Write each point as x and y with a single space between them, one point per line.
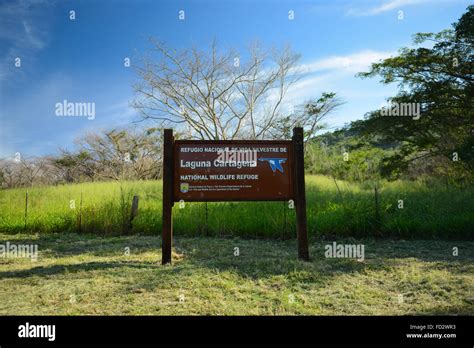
168 202
301 221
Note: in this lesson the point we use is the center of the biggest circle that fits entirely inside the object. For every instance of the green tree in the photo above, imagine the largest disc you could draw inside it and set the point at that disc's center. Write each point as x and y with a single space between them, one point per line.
437 78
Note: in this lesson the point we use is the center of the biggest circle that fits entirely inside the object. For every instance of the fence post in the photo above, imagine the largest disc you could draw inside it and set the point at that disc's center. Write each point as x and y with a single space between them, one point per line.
26 208
167 222
300 194
80 214
133 211
377 209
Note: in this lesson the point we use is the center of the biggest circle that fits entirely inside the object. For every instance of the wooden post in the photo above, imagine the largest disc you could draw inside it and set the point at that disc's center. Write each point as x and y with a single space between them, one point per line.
300 194
80 215
26 208
377 210
167 224
133 212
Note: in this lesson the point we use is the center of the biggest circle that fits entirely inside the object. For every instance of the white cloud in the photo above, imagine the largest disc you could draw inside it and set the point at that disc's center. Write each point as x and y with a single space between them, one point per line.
337 74
325 74
31 38
120 112
23 31
350 63
390 5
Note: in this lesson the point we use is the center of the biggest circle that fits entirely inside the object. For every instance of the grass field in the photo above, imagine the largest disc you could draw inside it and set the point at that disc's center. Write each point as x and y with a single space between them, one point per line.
428 212
101 271
84 274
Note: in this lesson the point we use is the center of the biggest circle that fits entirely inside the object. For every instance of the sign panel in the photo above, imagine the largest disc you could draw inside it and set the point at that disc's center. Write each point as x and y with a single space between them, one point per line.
233 170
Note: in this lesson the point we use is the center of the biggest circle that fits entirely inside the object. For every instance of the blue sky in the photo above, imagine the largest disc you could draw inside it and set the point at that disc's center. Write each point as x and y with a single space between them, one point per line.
82 60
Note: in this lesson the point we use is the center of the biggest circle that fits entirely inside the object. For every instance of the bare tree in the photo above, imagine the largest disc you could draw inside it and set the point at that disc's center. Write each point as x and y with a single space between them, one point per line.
215 95
117 154
25 172
121 154
309 115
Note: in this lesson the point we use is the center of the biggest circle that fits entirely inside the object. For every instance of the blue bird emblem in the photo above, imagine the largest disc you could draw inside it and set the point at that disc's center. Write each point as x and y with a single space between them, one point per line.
275 163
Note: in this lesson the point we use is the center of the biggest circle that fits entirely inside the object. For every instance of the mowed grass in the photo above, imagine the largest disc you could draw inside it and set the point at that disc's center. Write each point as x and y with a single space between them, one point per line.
92 275
428 211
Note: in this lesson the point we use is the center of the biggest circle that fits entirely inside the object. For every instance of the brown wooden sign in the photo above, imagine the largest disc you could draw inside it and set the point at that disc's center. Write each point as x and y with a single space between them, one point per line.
234 170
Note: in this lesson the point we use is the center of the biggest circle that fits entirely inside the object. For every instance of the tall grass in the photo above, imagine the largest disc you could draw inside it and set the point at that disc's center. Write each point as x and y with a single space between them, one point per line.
428 212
